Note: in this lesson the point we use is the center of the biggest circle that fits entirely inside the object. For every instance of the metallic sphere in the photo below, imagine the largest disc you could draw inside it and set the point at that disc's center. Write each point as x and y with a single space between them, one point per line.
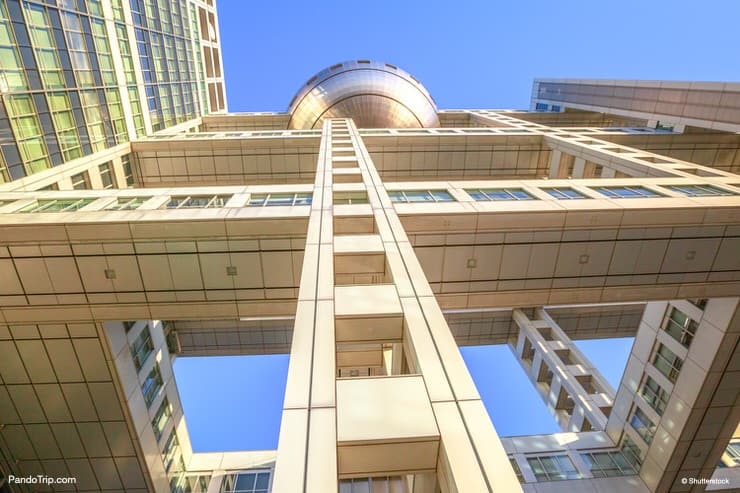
374 95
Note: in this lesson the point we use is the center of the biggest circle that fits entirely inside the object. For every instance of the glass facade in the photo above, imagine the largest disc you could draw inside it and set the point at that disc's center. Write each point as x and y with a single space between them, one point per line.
64 96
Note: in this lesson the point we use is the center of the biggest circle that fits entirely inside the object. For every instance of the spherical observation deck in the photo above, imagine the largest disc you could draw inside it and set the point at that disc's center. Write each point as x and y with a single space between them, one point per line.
373 94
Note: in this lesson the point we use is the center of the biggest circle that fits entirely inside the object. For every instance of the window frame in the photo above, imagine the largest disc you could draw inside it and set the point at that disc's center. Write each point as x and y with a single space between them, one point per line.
682 331
152 384
503 194
284 199
671 369
142 347
216 201
566 474
710 190
643 425
560 194
428 196
597 469
656 398
636 192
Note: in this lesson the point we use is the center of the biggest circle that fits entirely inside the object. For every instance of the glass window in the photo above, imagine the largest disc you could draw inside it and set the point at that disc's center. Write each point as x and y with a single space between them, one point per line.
161 417
561 193
667 362
57 205
679 326
608 464
654 395
197 202
540 107
106 175
275 199
247 482
127 171
127 203
733 450
643 425
194 483
171 451
350 198
81 181
151 385
699 190
410 196
142 347
499 194
632 452
628 192
553 468
517 470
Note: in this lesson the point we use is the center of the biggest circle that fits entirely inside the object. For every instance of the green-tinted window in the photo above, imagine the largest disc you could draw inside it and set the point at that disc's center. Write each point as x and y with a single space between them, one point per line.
28 133
118 119
77 49
65 125
57 205
127 203
96 129
105 60
44 46
12 75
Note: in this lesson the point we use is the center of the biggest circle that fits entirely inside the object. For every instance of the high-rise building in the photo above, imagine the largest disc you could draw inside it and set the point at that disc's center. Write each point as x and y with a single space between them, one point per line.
81 79
368 234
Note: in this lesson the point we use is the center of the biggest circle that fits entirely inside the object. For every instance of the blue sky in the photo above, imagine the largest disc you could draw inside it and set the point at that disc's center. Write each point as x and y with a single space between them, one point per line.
469 54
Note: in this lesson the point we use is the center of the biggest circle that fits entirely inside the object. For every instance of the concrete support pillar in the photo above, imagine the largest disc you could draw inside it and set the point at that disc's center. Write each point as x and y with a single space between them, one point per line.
306 460
555 163
578 166
574 391
366 310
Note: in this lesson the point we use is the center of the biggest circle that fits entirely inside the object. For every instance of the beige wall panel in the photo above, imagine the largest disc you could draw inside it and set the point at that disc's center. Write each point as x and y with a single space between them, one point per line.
322 452
462 465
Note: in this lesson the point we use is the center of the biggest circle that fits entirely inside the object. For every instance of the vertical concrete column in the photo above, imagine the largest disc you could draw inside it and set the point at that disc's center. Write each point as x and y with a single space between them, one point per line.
574 391
468 460
578 167
555 163
306 459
